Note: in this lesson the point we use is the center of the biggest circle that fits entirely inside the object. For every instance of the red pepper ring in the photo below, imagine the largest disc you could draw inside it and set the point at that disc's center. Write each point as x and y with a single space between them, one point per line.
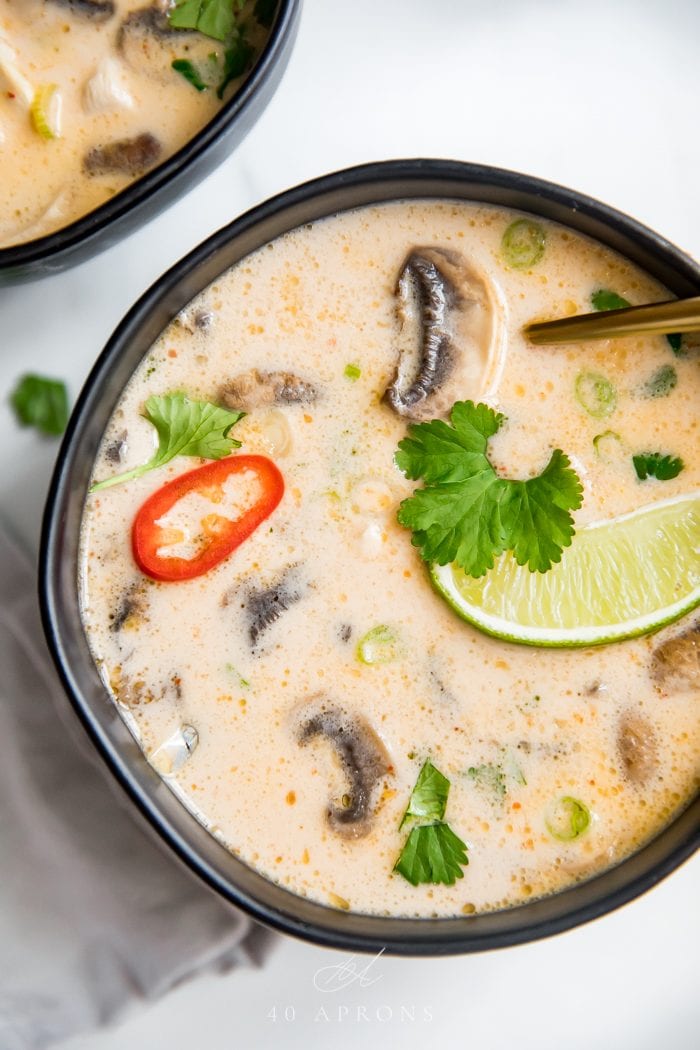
223 535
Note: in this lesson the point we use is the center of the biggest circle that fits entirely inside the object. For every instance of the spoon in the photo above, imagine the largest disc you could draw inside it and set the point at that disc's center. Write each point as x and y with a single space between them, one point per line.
676 316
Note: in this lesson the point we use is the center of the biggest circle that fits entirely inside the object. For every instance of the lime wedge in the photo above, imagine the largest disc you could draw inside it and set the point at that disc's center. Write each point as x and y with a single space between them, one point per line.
619 578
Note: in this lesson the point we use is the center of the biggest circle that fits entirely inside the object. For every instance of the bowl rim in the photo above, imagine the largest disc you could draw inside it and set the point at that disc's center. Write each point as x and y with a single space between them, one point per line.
232 878
95 222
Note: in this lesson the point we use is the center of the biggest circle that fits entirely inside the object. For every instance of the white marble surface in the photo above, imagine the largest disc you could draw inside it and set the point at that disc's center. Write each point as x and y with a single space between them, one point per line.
602 97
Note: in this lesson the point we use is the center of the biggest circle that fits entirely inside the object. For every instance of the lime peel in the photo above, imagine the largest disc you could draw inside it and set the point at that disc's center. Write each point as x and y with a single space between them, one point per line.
651 557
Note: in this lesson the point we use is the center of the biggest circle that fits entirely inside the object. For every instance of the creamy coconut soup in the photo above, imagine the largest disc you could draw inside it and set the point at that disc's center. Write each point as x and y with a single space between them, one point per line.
94 93
269 631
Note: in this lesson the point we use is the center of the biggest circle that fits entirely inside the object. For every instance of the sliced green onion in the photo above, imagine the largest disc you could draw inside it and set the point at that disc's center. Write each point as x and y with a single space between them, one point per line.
186 69
381 645
352 372
234 671
568 818
523 244
661 383
604 299
45 111
595 394
606 445
675 341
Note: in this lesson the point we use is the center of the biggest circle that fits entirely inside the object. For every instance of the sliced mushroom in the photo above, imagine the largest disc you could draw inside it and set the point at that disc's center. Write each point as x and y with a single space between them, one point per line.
636 745
448 339
364 760
149 44
256 389
131 609
115 451
264 605
95 10
125 156
675 664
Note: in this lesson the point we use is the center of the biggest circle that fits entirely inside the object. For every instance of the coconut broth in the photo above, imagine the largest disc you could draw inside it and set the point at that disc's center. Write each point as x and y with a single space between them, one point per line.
539 724
114 82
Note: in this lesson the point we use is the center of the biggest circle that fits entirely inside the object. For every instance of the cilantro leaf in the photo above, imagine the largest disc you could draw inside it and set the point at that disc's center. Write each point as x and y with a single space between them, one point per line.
184 428
42 403
434 854
468 515
213 18
236 61
189 72
661 383
490 777
429 796
656 465
604 299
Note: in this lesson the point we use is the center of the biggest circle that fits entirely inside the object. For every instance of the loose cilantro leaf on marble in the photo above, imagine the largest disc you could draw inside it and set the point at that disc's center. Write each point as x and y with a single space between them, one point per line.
42 403
656 465
185 428
466 513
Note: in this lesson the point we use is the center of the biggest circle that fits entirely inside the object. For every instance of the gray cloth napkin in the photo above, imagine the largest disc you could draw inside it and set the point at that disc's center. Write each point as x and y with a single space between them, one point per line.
94 911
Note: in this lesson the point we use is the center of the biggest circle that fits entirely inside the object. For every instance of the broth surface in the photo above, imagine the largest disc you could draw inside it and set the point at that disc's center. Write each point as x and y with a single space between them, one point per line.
513 728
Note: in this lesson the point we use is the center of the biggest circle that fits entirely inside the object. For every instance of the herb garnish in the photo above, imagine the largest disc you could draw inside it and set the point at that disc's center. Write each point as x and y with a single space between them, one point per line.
190 73
490 777
466 513
42 403
236 59
185 428
432 853
661 383
214 18
605 299
656 465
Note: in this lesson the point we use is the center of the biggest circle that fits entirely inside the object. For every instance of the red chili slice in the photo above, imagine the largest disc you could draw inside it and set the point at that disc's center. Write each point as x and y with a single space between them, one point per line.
221 534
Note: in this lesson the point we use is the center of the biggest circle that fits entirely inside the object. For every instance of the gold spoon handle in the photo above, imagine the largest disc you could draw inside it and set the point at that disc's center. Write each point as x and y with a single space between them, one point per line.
678 315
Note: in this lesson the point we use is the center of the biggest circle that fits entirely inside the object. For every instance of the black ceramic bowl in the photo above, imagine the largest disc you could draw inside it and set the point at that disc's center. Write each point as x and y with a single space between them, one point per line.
149 195
59 561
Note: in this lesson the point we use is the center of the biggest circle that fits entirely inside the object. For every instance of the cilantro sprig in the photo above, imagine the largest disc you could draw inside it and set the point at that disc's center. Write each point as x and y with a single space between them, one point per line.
432 852
466 513
213 18
657 465
185 428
